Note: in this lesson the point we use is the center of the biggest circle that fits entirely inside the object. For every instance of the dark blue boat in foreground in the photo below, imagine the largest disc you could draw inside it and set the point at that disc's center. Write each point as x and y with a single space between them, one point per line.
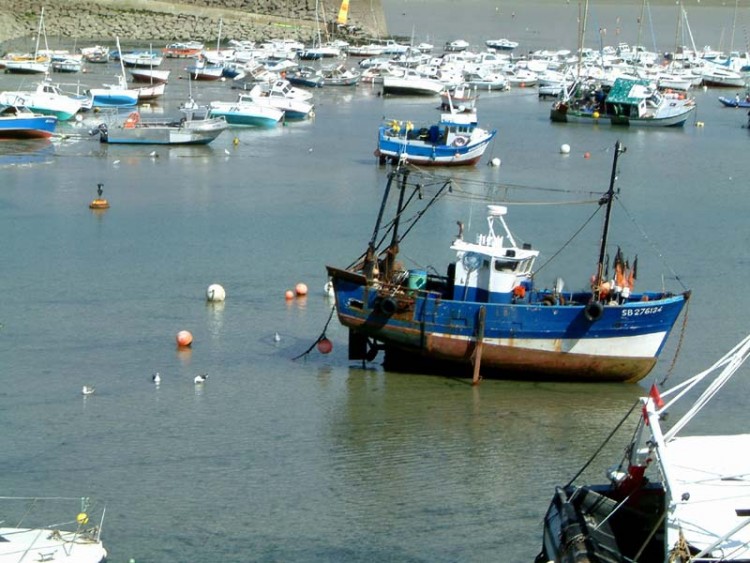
486 312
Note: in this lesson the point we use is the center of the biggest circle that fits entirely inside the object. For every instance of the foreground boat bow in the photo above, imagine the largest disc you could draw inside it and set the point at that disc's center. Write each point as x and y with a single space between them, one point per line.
486 310
671 500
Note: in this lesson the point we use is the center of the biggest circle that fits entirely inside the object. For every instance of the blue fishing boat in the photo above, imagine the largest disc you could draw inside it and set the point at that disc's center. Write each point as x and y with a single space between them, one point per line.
486 311
19 122
455 140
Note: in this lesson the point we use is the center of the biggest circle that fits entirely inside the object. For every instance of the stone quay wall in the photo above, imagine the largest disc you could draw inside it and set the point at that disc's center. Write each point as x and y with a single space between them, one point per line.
163 22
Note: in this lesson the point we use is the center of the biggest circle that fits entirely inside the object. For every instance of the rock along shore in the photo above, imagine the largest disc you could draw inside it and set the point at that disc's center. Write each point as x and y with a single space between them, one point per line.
163 22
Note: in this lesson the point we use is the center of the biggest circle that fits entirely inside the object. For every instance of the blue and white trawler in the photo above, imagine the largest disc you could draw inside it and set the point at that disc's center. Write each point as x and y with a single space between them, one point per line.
487 311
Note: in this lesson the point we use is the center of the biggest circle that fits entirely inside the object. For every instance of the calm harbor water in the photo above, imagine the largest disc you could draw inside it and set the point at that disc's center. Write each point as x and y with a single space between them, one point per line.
318 459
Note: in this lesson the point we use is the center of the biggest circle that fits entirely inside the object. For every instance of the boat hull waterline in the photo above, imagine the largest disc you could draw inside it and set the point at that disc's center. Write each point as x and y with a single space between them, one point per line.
546 341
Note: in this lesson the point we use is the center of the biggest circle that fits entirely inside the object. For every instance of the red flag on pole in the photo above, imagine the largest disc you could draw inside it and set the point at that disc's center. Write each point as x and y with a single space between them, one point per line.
655 396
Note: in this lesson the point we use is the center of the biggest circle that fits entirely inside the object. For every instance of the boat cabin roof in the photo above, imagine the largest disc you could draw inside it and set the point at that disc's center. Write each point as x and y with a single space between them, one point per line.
459 119
625 91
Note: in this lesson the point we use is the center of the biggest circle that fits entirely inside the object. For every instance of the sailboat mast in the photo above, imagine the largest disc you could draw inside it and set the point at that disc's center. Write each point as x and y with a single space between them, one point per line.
39 34
607 198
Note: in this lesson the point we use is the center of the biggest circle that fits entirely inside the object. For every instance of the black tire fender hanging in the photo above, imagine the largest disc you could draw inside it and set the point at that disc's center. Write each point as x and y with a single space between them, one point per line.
594 311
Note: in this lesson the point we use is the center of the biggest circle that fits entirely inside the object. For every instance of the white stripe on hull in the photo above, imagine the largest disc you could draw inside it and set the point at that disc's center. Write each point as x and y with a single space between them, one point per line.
642 346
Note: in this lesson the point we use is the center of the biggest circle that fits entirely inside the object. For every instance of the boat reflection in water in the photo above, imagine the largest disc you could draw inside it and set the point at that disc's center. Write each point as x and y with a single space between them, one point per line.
18 152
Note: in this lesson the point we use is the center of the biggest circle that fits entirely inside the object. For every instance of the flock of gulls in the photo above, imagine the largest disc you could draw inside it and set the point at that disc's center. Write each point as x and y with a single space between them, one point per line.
199 379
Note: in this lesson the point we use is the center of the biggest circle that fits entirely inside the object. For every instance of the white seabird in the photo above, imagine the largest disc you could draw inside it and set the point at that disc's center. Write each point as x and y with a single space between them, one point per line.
156 378
87 390
200 378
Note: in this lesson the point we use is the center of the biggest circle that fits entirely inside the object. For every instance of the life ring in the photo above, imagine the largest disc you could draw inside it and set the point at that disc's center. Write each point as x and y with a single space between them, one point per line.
460 141
132 120
593 311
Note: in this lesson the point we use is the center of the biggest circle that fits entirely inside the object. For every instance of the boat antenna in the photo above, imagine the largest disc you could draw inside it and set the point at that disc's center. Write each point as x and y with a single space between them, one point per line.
607 199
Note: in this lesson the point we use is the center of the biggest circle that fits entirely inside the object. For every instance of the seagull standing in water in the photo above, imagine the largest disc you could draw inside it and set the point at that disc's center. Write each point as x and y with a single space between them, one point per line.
200 378
87 390
156 378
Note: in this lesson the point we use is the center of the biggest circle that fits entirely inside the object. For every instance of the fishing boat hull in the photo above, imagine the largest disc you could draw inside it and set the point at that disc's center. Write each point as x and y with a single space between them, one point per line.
589 521
113 97
27 127
199 132
562 113
246 115
535 340
420 149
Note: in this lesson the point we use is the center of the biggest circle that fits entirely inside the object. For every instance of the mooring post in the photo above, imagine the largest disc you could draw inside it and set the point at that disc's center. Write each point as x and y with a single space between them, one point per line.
477 356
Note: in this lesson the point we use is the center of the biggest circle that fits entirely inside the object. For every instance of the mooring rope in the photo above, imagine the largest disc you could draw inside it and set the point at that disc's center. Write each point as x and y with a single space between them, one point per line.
321 337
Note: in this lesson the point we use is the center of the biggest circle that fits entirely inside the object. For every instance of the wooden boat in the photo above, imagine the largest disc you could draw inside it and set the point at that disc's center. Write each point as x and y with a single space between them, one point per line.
454 140
193 128
629 102
19 122
672 499
486 311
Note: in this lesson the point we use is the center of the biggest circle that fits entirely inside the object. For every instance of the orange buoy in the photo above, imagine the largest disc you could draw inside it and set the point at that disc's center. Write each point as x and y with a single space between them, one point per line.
325 346
300 289
99 204
184 338
289 295
587 155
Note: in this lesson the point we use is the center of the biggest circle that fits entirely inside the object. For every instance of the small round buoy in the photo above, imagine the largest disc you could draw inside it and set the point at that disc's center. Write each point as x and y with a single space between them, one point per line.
289 295
587 155
699 124
595 115
495 161
99 204
82 518
300 289
215 292
565 149
325 346
184 338
236 141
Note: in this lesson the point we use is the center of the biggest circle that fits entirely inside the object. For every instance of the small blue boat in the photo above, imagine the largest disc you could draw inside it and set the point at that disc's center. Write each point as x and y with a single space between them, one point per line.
486 310
19 122
455 140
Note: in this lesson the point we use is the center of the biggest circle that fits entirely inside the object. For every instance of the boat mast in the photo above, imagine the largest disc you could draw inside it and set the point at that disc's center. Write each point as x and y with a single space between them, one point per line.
370 263
607 199
392 250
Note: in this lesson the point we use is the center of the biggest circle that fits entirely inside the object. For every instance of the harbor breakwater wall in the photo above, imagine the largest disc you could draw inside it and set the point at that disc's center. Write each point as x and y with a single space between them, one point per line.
163 22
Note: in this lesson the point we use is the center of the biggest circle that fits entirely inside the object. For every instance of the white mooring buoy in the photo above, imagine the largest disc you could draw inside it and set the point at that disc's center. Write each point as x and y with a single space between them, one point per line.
215 292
